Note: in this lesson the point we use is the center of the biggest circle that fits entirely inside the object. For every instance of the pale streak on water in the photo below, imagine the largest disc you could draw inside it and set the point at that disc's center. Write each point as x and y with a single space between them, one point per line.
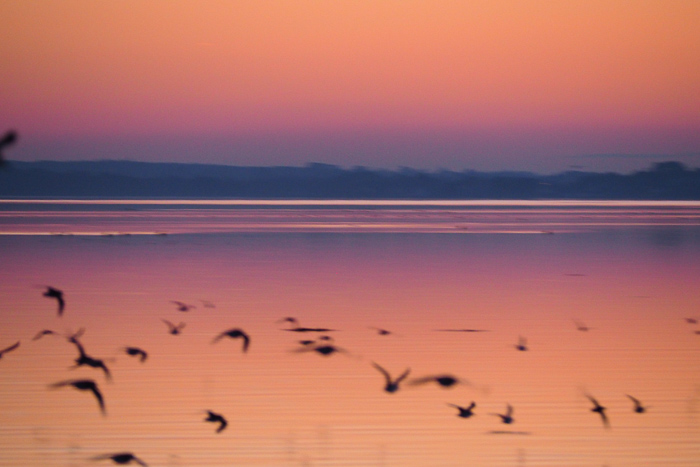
628 270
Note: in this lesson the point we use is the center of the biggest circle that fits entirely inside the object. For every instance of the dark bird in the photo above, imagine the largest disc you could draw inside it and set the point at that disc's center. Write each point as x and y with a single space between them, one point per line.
391 385
323 349
464 412
445 381
172 329
216 418
121 458
508 416
599 409
181 306
296 328
581 327
380 331
83 385
462 330
691 320
638 407
234 334
9 349
136 352
58 295
42 333
85 359
8 139
522 344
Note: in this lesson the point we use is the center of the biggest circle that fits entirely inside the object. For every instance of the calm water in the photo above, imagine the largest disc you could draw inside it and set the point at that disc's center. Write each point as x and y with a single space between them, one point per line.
628 271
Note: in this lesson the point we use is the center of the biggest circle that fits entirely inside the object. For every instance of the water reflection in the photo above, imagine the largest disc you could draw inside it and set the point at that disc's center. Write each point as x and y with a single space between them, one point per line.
407 276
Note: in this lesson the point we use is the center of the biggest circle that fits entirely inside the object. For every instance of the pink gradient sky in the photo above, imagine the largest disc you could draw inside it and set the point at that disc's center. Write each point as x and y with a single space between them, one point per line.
489 85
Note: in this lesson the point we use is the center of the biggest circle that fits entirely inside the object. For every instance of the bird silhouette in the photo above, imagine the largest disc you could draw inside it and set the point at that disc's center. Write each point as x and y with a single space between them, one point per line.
8 139
182 306
691 320
391 385
599 409
85 359
296 328
508 416
136 352
462 330
52 292
84 385
9 349
638 407
121 458
581 326
234 334
522 344
324 349
216 418
464 412
172 329
42 333
381 331
445 381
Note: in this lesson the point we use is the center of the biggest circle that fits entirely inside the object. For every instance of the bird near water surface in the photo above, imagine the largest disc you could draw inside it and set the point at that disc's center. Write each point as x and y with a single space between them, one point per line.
9 349
84 385
214 417
136 352
52 292
600 410
172 328
234 334
507 417
121 458
391 385
464 412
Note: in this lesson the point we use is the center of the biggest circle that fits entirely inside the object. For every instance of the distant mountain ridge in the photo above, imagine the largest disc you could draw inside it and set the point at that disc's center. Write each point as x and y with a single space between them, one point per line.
130 179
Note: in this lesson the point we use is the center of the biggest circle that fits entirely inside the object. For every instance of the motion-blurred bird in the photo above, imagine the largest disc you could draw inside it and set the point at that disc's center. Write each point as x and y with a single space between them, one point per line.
296 328
216 418
84 385
581 326
600 410
7 140
522 344
464 412
445 381
391 385
9 349
182 306
172 329
85 359
234 334
508 416
121 458
638 407
42 333
52 292
136 352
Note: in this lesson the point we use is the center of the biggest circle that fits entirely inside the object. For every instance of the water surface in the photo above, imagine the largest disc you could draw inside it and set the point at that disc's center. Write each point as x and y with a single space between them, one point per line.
628 271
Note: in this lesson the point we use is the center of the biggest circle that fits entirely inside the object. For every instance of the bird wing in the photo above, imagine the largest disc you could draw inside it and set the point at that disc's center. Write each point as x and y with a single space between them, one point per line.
10 348
509 411
383 371
403 376
100 400
61 304
246 341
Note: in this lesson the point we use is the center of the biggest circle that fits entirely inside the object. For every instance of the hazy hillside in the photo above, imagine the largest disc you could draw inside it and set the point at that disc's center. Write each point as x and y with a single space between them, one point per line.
125 179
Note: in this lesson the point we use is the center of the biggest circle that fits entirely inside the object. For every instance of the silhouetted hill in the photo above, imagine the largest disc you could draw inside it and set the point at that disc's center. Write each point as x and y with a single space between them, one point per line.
127 179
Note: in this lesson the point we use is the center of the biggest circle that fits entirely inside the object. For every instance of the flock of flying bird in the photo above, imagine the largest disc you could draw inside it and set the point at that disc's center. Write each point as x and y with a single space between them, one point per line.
323 345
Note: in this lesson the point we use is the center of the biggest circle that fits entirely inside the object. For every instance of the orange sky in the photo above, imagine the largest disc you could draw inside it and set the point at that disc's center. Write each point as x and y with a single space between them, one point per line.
461 84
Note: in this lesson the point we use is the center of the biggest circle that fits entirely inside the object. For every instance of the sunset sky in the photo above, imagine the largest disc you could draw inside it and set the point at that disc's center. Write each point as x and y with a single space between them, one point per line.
544 86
